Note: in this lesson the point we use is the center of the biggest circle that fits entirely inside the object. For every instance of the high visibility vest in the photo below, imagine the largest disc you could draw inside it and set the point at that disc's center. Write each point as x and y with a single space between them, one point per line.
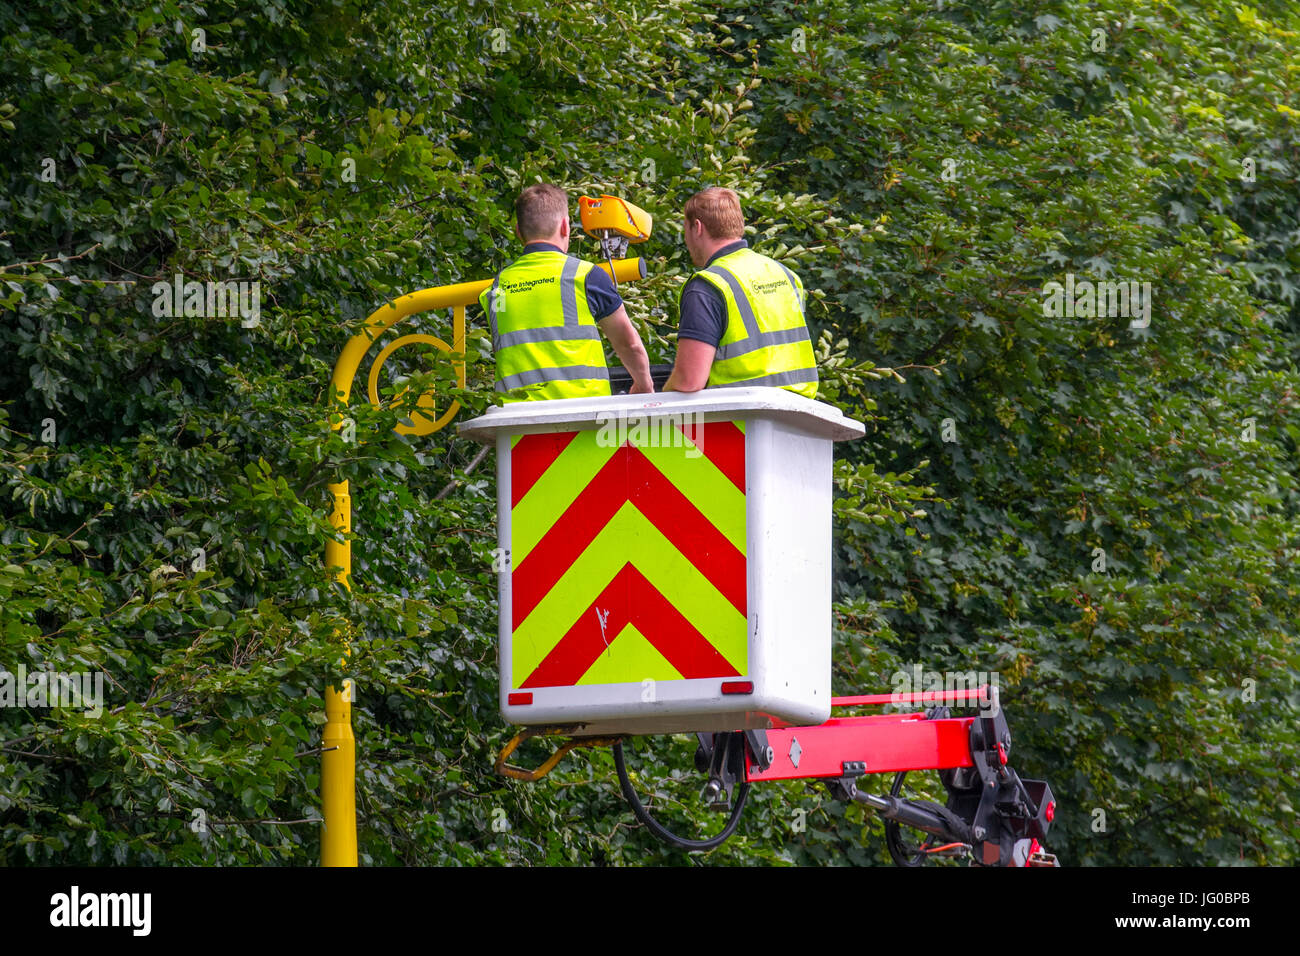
543 333
766 340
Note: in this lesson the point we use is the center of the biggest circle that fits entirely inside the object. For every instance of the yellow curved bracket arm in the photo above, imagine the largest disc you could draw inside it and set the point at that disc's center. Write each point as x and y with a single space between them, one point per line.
532 776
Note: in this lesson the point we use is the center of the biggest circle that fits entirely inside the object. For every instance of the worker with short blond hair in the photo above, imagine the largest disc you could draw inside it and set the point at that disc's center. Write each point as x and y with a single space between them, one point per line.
546 311
742 314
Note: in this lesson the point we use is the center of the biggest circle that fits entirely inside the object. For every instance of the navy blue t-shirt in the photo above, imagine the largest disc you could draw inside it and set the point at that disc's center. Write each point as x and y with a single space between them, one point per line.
602 298
704 310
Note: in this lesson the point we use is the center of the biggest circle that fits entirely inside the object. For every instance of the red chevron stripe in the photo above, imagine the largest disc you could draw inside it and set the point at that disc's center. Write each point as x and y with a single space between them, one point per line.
724 445
628 476
530 458
629 599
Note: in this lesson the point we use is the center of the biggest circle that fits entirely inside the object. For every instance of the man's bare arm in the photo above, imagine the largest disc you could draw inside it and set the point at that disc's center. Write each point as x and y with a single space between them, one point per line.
625 339
691 371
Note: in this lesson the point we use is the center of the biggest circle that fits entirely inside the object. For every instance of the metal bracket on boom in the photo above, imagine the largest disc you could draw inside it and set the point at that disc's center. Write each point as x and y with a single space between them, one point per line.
722 757
1003 809
845 787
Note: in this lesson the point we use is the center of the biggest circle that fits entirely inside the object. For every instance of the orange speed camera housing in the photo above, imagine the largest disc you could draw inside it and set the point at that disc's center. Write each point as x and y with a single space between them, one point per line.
611 216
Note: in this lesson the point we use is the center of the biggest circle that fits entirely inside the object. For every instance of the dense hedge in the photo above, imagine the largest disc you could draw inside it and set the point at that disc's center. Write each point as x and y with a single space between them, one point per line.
1103 515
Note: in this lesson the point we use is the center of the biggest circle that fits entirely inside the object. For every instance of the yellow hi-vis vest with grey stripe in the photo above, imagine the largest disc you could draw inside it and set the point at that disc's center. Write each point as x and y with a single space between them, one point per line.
543 333
766 341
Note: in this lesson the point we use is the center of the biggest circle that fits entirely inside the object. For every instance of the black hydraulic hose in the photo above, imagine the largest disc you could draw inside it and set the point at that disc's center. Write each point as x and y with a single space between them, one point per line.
653 825
899 852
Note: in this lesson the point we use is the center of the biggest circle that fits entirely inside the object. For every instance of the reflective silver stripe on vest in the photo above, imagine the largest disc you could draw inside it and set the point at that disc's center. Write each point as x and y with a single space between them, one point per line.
797 377
742 300
761 341
548 333
793 285
537 376
569 292
754 339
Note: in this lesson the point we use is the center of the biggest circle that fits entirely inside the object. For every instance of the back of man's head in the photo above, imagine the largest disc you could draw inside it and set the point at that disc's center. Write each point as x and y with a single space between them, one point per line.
539 210
718 209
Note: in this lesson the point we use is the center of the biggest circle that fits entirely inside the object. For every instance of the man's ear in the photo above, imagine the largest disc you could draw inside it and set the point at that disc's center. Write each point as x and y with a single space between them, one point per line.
564 228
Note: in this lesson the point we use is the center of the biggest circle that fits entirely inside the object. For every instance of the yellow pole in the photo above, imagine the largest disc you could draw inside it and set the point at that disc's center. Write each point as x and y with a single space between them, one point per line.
338 761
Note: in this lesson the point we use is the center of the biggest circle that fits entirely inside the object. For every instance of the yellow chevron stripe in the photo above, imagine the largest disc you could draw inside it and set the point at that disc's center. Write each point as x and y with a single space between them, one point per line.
630 653
630 537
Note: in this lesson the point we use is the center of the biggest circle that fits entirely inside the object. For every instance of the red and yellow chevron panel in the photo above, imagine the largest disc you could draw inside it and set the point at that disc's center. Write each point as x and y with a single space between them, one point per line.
629 561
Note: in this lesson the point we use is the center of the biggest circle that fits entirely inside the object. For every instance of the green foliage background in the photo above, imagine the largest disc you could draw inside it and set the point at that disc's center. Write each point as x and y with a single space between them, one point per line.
1105 139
